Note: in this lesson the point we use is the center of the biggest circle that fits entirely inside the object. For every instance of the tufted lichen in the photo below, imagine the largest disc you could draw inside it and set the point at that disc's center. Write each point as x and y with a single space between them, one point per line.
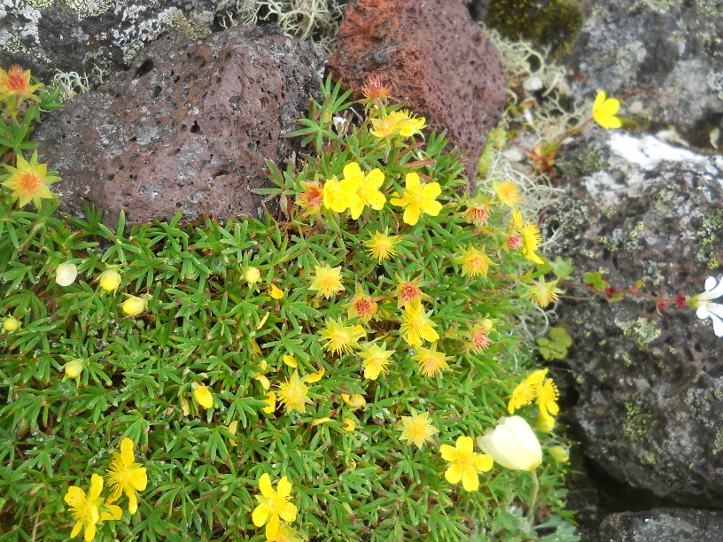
638 421
646 331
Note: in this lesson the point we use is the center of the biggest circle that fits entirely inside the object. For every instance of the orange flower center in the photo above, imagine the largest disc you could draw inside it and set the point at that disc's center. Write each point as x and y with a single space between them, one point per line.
16 79
408 291
27 181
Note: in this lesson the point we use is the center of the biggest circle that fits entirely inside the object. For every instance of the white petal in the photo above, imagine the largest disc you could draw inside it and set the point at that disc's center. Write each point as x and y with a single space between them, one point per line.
710 283
702 311
717 325
715 292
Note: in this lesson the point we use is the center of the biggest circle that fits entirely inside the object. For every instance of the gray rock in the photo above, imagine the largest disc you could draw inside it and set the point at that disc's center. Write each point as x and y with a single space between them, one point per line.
189 127
662 525
649 384
670 46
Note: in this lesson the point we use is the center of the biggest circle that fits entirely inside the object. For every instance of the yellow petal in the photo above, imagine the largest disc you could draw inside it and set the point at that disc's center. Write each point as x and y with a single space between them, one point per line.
288 512
448 452
290 361
314 377
89 532
126 447
96 486
465 445
412 181
264 381
139 479
271 400
320 421
470 480
454 473
114 513
266 316
132 501
265 487
260 514
76 529
275 292
233 427
283 488
484 462
350 425
411 216
204 396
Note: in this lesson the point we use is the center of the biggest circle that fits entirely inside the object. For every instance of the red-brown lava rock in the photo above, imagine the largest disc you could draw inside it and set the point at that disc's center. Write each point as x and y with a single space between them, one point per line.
189 127
434 57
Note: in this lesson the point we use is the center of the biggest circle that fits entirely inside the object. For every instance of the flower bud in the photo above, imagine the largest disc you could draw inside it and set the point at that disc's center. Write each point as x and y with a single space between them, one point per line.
10 324
512 444
559 453
65 274
74 368
203 395
134 306
110 280
252 275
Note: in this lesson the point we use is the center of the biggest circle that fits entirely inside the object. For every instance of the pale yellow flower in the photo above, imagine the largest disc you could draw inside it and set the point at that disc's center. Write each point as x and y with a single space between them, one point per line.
474 262
327 281
29 181
375 359
65 274
252 275
133 306
416 326
381 246
526 391
293 394
11 324
530 239
73 368
340 339
417 428
430 362
507 193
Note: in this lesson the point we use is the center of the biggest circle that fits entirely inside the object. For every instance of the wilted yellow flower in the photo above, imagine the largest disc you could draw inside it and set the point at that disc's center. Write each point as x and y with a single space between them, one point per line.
109 280
474 262
15 84
355 400
543 292
604 110
203 395
477 213
264 381
133 306
367 188
416 326
340 196
381 246
507 193
273 506
30 180
418 199
408 292
375 359
340 338
252 275
86 509
66 274
362 306
10 324
311 197
275 292
465 463
349 425
126 476
271 400
327 281
417 428
73 368
513 444
293 393
546 398
479 339
290 361
431 362
530 239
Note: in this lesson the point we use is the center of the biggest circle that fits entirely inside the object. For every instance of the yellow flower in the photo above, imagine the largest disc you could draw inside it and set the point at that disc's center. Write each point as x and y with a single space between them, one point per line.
273 506
66 274
408 292
252 275
417 428
526 390
290 361
507 193
10 324
340 338
375 359
327 281
367 188
126 476
86 509
30 180
133 306
530 239
73 368
293 394
381 246
275 292
362 306
15 82
543 292
271 400
474 262
401 123
109 280
604 109
349 425
355 401
465 463
203 395
430 362
512 444
416 326
477 213
286 533
386 127
418 199
546 397
339 196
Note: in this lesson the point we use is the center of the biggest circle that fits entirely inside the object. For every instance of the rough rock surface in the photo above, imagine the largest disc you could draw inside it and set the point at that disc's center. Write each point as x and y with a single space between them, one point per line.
647 387
433 56
670 46
78 35
662 525
189 127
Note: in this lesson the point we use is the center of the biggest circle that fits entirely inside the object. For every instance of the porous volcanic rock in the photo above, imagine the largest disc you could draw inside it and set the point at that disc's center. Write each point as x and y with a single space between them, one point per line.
646 386
189 127
672 47
662 525
434 57
99 36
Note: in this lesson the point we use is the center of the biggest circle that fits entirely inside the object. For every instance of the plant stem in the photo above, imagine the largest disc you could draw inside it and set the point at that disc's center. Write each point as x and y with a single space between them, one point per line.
531 507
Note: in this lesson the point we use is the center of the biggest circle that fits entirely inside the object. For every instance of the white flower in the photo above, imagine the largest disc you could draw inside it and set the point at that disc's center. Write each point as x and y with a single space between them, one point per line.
65 274
706 309
513 444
